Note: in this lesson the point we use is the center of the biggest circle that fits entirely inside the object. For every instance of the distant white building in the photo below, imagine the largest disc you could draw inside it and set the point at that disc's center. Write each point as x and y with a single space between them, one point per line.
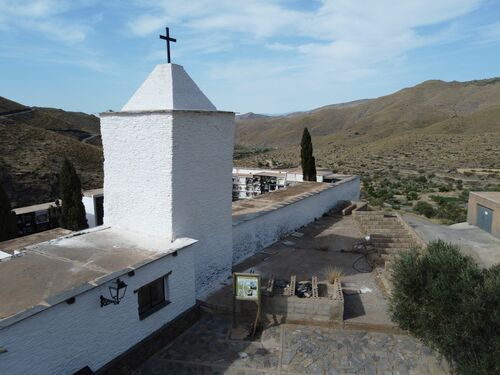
249 183
37 218
170 235
93 201
252 184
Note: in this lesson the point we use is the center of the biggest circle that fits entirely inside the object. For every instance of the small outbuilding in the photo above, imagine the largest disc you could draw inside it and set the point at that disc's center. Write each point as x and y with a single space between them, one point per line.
484 211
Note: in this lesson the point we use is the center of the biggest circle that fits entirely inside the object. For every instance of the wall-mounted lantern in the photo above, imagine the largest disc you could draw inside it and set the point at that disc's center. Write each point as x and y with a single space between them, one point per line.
117 292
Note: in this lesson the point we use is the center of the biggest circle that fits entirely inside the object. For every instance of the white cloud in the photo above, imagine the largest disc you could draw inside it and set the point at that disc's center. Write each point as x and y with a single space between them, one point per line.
45 17
338 30
337 41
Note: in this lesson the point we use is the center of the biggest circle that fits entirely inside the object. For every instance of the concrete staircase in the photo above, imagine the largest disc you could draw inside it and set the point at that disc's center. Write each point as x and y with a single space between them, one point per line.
388 234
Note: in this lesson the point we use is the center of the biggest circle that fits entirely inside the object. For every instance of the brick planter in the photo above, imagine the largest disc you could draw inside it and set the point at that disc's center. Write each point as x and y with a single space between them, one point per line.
327 308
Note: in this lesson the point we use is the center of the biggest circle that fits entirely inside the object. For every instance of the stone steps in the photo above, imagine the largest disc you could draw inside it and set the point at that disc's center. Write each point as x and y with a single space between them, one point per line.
377 239
388 235
376 226
394 245
397 232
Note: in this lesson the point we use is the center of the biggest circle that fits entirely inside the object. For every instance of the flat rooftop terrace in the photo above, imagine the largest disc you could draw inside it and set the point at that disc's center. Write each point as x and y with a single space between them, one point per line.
248 209
32 239
53 271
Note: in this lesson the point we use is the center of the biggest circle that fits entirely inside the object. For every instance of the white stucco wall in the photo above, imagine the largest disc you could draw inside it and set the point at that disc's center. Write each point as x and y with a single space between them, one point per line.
138 171
202 191
169 174
65 338
257 233
88 203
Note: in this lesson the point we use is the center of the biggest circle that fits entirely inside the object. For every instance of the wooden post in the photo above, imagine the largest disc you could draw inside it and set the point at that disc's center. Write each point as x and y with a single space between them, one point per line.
247 295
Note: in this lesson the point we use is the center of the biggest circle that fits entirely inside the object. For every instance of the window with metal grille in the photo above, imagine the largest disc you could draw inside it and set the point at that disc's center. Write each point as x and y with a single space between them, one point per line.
153 296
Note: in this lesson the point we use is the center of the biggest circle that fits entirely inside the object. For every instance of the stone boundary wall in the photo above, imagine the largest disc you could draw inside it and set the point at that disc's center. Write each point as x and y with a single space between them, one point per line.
253 235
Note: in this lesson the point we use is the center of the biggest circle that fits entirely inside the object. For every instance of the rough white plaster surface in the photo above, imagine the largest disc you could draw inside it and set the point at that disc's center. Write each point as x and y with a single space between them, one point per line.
202 189
168 87
169 174
65 338
138 171
254 235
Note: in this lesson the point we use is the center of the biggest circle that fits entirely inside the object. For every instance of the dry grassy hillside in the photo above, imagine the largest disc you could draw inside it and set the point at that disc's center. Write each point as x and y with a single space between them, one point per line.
33 144
413 108
435 125
436 138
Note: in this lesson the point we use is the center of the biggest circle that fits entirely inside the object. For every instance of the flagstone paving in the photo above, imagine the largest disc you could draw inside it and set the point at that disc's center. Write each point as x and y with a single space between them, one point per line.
292 349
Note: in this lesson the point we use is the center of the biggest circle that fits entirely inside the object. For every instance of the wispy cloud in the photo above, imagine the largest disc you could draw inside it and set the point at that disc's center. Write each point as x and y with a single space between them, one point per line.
329 40
339 33
277 55
53 31
44 17
490 33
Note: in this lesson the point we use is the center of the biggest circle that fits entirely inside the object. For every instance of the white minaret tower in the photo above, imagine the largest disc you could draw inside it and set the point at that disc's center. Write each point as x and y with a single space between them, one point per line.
168 159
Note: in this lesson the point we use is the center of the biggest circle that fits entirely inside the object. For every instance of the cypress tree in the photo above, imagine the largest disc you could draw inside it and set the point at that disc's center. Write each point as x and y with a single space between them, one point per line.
8 220
307 160
72 215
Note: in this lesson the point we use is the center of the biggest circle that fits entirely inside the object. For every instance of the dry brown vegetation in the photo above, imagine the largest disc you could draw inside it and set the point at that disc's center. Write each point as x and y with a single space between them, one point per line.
442 130
436 129
33 146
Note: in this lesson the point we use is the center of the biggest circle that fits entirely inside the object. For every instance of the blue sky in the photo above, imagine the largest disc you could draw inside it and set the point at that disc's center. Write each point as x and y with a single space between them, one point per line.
246 55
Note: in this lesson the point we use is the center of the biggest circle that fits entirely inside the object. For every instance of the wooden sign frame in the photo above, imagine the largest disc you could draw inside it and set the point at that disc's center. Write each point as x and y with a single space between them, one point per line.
247 287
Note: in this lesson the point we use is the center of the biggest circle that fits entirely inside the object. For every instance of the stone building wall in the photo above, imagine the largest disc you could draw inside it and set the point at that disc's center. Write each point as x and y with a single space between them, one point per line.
489 200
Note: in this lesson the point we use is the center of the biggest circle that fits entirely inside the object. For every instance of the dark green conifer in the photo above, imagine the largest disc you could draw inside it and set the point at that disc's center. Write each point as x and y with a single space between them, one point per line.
8 220
72 215
306 157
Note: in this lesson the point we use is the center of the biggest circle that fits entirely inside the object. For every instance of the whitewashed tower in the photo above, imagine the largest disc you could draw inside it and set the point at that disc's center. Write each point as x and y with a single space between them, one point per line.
168 160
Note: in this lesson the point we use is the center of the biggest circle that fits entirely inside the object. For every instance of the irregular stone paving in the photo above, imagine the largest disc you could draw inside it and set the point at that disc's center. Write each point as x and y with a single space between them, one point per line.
292 349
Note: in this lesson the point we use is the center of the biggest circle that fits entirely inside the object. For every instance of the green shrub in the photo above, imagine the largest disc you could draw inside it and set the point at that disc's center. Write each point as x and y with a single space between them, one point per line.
412 195
450 209
451 212
444 299
445 188
421 179
424 208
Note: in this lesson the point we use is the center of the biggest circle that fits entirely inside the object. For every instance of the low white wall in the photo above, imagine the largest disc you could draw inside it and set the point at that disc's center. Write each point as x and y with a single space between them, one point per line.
65 338
253 235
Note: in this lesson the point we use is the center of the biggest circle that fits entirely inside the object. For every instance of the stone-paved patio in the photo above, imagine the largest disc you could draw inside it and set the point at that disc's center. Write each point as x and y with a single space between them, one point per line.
291 349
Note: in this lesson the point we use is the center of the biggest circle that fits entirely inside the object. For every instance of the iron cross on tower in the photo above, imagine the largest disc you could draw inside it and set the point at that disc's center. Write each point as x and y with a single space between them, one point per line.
168 39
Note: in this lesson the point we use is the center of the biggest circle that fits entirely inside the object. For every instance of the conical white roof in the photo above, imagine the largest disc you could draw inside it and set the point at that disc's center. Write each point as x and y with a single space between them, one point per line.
168 87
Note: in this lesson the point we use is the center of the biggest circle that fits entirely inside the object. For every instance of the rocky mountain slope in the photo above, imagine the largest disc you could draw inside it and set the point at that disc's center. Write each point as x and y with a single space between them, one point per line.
434 124
33 143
